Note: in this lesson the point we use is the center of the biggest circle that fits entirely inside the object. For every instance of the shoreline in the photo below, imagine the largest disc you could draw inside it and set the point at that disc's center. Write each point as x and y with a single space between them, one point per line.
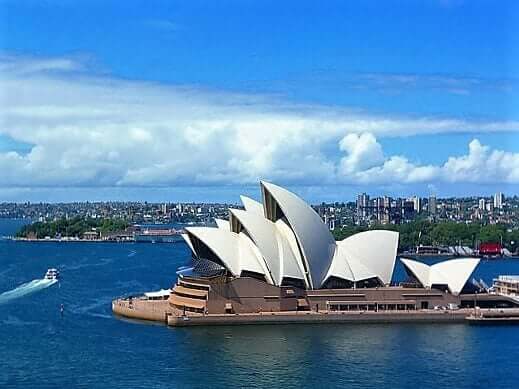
55 240
72 240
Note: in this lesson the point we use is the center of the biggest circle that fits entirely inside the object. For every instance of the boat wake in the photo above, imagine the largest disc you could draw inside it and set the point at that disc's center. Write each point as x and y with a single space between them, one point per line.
26 289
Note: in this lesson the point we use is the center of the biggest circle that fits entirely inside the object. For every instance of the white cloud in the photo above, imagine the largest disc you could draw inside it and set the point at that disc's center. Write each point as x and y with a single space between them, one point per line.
482 164
362 152
396 169
21 66
365 162
93 131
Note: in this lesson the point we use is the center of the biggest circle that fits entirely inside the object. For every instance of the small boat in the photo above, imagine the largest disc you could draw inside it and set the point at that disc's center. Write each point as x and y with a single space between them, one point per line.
52 274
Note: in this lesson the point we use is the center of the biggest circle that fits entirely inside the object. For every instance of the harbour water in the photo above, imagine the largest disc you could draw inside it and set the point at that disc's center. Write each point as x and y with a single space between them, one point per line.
88 347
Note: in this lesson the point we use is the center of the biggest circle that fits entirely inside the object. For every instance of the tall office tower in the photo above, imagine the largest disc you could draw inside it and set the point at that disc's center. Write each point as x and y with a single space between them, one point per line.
432 205
499 199
481 204
417 204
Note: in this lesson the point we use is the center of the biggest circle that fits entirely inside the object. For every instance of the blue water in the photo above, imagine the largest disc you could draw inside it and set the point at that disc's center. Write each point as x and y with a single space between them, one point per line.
88 347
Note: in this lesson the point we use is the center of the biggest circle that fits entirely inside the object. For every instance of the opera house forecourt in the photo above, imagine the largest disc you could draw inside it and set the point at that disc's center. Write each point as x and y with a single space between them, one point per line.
277 262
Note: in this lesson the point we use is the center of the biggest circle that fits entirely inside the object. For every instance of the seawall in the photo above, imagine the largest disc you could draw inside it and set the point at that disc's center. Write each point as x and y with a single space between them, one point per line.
142 309
320 318
161 311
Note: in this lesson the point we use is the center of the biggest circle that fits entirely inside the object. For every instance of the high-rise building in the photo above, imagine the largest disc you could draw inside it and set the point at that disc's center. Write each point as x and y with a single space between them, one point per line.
499 199
362 200
417 204
432 205
481 204
408 210
363 206
329 221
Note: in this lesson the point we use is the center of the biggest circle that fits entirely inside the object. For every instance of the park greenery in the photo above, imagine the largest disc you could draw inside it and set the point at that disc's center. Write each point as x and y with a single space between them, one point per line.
74 227
424 232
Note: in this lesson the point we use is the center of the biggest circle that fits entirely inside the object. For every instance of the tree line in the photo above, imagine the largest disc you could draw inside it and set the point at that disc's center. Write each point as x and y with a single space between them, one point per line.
74 227
442 233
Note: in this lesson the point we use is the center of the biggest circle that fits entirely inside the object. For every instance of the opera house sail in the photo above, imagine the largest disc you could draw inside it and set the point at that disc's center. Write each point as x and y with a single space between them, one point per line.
284 242
278 256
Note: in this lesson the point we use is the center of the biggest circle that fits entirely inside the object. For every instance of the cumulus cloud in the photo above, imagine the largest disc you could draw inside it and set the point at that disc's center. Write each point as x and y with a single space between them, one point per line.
482 164
88 130
362 152
365 162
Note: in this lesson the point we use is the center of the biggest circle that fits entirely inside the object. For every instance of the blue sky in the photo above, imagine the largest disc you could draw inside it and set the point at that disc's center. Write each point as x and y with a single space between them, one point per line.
329 99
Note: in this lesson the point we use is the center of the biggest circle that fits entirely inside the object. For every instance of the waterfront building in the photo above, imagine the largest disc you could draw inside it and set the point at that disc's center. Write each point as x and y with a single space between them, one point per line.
90 235
507 285
279 256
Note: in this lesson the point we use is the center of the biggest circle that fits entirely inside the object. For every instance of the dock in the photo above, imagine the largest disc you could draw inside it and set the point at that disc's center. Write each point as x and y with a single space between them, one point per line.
494 316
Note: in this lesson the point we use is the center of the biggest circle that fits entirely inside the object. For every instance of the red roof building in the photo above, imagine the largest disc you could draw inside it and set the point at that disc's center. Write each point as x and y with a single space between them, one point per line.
490 249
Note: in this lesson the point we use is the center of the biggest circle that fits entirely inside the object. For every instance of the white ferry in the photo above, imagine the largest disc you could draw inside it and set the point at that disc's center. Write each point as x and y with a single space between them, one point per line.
507 286
52 274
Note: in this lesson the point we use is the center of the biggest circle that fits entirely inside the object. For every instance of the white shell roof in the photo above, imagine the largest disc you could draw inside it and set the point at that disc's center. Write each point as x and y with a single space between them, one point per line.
250 257
252 205
234 250
223 244
315 240
291 264
189 243
263 233
288 247
376 250
454 273
370 254
273 246
223 224
340 267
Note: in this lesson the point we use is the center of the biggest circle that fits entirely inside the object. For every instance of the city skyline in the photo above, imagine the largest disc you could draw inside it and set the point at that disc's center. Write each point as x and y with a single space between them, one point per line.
367 211
101 102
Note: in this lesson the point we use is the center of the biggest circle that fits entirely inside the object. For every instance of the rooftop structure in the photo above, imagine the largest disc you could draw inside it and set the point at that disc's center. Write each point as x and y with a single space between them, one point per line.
285 242
452 274
507 285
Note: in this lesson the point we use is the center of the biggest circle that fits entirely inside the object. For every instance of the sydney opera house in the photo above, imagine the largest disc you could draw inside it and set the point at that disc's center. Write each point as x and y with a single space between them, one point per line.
279 257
